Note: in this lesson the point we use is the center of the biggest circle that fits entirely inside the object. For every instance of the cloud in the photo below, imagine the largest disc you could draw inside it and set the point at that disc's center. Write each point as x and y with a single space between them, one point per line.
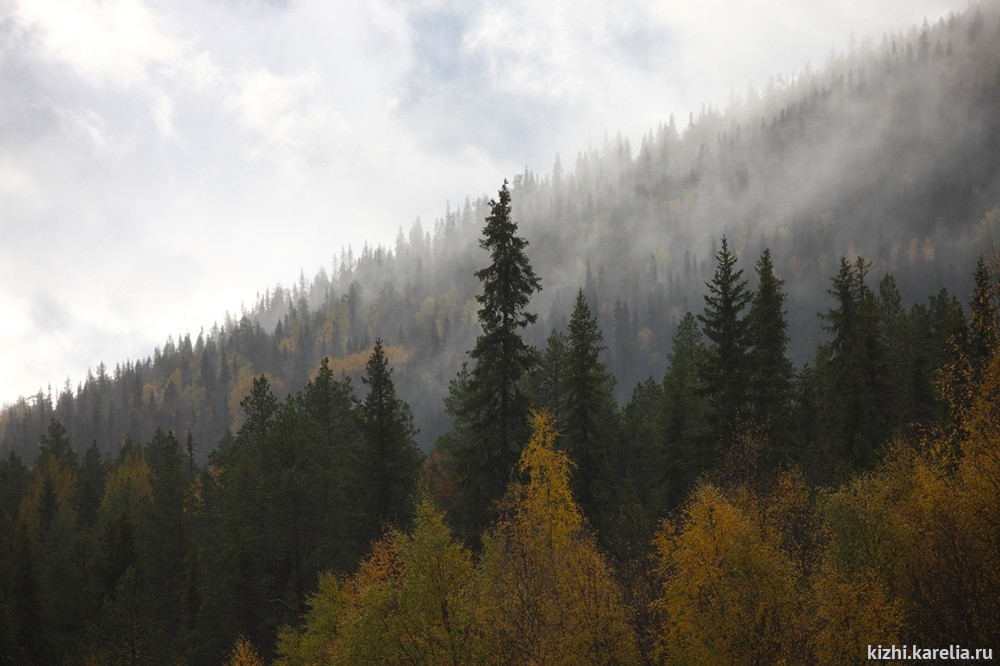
291 123
112 42
163 160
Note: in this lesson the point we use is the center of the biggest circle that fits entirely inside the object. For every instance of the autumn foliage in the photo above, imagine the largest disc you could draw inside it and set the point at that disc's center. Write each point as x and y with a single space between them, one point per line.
540 593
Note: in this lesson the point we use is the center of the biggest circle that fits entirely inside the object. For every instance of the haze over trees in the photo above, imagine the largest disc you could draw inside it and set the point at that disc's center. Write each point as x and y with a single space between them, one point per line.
751 418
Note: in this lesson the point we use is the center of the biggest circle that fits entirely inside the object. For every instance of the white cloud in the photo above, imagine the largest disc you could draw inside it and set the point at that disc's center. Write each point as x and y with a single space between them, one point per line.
162 160
293 126
112 41
16 181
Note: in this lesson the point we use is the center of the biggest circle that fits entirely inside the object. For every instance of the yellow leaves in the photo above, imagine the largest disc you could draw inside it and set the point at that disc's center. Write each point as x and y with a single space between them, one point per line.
50 494
646 340
548 595
437 596
851 613
546 501
541 594
127 488
412 600
729 592
244 654
986 231
354 364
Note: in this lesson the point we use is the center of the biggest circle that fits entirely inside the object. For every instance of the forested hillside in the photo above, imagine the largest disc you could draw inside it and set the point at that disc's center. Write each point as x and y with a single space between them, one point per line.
730 397
890 153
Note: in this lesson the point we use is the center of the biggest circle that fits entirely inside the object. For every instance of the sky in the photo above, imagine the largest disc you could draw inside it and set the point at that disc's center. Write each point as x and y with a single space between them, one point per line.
163 161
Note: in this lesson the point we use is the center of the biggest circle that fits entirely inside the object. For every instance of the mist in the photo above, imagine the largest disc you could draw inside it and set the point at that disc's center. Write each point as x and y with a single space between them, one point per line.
161 163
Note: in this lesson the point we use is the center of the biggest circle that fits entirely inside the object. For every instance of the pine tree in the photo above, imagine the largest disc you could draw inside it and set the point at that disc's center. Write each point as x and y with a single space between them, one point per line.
726 329
490 415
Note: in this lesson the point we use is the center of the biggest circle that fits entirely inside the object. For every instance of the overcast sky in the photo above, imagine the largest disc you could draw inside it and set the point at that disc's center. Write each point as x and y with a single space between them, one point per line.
162 161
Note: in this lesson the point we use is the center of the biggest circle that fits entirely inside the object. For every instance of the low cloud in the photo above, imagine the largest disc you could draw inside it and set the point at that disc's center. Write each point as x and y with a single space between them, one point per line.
184 155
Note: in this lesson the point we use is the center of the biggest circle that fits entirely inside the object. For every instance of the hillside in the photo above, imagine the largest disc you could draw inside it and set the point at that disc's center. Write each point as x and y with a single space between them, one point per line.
731 397
891 152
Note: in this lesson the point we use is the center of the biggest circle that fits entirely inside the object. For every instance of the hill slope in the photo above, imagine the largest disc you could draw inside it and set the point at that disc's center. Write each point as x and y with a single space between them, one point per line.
891 153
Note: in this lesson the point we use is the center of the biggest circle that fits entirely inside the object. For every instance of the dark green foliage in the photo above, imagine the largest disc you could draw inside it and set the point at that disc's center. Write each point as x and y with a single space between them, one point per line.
770 371
391 461
894 329
93 473
303 487
726 370
984 325
641 457
688 445
488 406
50 607
590 424
126 554
546 384
166 537
55 443
13 484
857 381
329 403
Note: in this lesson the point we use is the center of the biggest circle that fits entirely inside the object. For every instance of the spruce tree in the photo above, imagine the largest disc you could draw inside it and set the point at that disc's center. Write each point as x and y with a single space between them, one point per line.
392 460
546 384
589 424
857 376
725 326
488 407
770 371
686 433
983 317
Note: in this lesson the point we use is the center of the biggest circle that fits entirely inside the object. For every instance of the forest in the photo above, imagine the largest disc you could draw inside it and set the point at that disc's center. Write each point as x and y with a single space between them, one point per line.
735 399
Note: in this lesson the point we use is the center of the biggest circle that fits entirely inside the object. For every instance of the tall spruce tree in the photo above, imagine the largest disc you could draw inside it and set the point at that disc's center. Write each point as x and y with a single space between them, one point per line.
488 407
725 326
591 413
770 371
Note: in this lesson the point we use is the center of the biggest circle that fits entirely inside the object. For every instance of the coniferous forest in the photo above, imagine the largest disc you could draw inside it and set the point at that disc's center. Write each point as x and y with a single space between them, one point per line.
734 398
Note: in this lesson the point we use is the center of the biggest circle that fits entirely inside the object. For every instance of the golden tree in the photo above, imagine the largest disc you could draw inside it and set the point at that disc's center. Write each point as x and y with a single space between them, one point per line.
412 601
548 595
730 593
